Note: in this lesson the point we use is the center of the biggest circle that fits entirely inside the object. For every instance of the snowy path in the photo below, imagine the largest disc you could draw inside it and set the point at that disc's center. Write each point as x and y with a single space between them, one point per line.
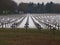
31 23
23 23
43 26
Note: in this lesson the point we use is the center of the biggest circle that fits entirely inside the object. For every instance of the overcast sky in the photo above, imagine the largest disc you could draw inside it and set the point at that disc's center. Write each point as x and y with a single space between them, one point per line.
36 1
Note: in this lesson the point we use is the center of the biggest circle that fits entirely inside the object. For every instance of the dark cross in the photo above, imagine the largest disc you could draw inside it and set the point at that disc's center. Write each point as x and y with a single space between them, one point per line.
27 23
58 26
5 24
50 27
14 25
38 26
2 24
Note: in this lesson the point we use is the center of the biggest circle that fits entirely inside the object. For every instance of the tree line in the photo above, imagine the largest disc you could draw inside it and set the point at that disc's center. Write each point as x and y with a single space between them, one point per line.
11 7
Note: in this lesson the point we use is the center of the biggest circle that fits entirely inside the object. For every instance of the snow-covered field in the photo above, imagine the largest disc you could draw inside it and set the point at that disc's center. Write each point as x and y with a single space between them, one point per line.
30 20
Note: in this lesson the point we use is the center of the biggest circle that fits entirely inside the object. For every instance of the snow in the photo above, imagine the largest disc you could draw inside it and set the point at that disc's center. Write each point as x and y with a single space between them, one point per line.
23 23
43 26
10 24
31 23
19 20
49 19
15 22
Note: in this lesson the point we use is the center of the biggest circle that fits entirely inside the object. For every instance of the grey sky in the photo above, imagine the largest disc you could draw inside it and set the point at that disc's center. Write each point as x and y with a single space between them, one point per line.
36 1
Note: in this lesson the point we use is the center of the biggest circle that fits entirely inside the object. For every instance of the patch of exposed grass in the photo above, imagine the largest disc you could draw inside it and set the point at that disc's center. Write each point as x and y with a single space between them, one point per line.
18 36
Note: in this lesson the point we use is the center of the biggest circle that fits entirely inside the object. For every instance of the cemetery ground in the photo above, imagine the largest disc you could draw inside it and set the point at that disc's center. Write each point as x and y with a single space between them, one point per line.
16 36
